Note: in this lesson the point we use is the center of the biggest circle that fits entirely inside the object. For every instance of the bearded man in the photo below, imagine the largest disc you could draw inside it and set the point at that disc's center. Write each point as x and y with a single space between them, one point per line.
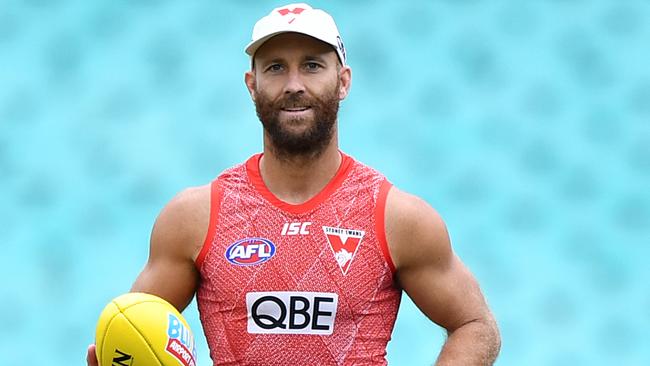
299 255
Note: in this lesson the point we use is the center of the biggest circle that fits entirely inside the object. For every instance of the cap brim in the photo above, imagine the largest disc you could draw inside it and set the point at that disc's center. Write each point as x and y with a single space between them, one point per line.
254 45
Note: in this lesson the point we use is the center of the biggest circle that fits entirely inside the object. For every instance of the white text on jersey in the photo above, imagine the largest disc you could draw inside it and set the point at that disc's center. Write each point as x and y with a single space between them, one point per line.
296 228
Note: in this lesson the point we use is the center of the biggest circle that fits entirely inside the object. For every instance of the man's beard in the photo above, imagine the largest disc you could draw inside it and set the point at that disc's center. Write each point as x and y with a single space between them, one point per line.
287 144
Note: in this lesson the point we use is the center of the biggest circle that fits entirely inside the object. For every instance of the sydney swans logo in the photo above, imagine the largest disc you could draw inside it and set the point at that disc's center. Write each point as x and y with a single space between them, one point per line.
344 244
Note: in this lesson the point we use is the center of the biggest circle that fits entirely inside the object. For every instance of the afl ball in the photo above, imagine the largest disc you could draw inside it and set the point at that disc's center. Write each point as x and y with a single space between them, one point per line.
141 329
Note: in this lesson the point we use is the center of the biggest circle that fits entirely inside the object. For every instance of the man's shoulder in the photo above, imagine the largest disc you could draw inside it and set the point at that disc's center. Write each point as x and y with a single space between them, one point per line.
190 198
414 228
182 223
187 207
409 207
403 203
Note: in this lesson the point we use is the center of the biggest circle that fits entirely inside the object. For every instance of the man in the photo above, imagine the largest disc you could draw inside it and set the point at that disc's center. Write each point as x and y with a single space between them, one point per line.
299 255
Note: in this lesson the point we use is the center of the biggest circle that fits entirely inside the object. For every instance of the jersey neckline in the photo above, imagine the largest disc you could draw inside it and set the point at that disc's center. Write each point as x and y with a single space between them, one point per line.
253 170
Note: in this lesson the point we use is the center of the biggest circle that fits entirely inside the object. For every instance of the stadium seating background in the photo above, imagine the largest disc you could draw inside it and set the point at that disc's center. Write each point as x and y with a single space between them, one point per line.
526 124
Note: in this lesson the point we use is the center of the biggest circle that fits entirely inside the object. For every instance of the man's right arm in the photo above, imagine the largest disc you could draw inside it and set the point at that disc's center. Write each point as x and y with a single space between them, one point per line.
176 240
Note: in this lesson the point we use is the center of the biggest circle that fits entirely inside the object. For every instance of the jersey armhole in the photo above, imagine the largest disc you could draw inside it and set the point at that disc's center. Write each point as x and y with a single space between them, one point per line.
215 205
380 223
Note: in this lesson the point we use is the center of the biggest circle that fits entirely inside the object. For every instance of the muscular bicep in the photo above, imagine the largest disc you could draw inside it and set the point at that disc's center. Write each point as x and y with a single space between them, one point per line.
427 269
450 297
173 280
176 238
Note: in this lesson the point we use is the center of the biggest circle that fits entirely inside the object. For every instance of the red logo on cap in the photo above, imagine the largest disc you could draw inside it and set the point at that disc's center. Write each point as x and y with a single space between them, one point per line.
295 11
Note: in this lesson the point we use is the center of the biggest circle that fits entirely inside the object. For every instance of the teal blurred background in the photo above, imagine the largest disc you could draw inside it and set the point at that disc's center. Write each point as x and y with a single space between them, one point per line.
525 123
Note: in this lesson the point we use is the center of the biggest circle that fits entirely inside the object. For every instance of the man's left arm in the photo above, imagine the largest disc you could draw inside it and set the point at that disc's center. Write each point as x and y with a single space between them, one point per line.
438 282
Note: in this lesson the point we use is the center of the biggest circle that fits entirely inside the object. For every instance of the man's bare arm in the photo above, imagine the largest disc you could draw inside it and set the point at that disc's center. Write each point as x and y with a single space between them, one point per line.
176 239
438 282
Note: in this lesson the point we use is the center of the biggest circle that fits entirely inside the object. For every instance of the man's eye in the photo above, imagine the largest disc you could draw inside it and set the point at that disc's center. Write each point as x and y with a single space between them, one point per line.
275 67
312 66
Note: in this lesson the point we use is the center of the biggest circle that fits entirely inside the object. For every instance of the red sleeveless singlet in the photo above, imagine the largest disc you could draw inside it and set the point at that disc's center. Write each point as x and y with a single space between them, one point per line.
308 284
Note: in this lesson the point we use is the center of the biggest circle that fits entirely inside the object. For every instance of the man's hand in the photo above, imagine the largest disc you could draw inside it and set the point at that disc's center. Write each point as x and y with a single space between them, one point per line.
91 358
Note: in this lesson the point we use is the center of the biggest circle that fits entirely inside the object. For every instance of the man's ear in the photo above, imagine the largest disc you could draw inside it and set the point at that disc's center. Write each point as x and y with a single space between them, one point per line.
249 79
345 79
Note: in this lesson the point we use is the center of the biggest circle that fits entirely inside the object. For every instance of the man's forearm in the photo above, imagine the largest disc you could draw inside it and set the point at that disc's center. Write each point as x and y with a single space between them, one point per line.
476 343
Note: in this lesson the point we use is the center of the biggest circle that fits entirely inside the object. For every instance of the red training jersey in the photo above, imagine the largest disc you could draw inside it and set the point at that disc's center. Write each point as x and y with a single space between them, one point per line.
308 284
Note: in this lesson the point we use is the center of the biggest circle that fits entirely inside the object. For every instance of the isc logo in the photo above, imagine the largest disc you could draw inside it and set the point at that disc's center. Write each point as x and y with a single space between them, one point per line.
250 251
296 228
286 312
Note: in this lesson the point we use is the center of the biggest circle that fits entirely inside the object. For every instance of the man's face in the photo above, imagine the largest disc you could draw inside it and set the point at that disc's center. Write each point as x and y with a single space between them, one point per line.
297 84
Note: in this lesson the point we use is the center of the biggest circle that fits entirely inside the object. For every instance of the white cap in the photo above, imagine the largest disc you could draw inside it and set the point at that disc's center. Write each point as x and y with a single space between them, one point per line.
300 18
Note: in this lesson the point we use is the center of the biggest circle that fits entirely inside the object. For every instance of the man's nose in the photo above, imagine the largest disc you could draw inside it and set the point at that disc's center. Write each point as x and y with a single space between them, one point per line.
294 83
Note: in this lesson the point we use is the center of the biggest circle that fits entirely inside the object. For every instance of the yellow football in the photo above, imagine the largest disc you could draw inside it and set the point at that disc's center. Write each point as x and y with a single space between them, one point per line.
141 329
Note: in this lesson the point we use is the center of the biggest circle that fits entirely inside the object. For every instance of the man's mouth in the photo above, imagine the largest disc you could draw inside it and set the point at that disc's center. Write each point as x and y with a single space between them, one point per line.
296 112
295 109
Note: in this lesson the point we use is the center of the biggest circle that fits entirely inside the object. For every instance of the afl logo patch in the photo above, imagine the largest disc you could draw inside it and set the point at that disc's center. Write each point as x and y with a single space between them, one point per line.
250 251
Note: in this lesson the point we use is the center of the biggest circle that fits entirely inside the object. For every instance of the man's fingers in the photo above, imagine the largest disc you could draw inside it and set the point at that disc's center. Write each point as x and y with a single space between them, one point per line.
91 358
